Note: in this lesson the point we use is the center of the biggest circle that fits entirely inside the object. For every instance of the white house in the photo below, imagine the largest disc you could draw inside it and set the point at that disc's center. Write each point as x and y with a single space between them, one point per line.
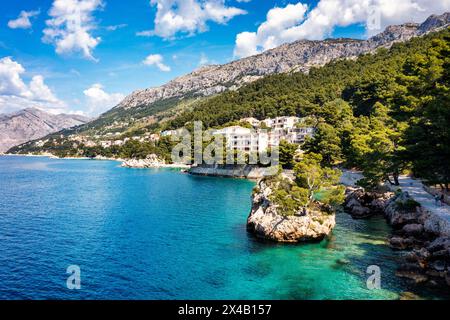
298 135
244 139
253 121
282 122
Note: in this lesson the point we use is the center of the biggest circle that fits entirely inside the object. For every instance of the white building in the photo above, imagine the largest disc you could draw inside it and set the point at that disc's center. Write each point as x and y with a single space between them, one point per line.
244 139
282 122
118 143
253 121
168 133
298 135
281 128
106 144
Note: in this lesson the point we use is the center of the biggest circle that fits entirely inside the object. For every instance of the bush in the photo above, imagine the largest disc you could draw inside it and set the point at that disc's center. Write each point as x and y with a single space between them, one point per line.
408 205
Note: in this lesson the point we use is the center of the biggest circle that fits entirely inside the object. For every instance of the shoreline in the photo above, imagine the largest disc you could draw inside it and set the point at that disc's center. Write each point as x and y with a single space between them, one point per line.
51 156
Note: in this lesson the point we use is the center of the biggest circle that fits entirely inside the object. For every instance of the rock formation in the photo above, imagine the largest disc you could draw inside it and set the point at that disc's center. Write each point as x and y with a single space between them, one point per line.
266 222
251 172
152 161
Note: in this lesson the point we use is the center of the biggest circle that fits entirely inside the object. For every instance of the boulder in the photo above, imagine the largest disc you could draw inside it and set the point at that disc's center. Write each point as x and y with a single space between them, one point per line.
361 205
400 243
442 243
360 212
265 222
413 229
269 225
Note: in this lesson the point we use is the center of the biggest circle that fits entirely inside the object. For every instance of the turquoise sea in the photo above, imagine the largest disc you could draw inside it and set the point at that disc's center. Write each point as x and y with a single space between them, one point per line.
162 234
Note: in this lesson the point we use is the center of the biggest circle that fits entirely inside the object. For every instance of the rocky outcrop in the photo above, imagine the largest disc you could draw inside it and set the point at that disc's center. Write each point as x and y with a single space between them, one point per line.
152 161
361 204
297 56
428 264
30 124
266 222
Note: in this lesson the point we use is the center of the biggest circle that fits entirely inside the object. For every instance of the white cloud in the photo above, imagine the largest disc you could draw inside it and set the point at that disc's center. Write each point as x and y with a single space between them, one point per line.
99 101
156 60
268 33
23 21
70 26
290 23
11 82
116 27
188 16
15 94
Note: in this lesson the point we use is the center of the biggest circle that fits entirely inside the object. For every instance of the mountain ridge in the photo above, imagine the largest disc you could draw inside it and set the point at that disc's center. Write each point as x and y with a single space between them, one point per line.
300 56
31 123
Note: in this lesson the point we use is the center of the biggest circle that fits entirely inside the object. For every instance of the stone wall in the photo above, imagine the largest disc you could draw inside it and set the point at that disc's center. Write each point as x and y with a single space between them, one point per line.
233 171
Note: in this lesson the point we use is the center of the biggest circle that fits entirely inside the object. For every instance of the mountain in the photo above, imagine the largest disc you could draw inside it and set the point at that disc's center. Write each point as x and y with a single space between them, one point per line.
146 108
30 124
297 56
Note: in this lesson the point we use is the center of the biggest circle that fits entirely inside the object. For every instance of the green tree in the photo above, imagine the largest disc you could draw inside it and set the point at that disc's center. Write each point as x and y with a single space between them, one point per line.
286 154
291 201
327 143
377 148
428 90
310 175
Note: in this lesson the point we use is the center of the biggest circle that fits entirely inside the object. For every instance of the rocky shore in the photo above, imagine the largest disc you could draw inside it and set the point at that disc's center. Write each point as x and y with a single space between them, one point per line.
152 161
266 222
422 236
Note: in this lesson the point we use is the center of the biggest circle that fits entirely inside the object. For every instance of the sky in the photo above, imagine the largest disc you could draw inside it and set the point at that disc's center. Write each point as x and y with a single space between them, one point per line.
85 56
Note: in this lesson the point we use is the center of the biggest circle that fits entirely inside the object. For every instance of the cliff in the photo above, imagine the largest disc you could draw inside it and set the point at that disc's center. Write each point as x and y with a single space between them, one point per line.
266 221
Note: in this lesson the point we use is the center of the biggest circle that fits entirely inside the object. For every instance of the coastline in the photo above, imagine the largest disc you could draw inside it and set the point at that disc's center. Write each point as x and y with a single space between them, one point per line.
420 228
98 158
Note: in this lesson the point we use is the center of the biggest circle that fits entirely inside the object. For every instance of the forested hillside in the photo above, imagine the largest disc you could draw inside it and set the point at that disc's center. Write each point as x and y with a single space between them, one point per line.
383 113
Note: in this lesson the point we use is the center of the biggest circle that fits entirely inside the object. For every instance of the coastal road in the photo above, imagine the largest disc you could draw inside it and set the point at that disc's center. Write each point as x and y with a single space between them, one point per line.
415 189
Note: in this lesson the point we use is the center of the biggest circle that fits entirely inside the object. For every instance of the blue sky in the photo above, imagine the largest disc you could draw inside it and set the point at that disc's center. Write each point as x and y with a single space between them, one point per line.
108 59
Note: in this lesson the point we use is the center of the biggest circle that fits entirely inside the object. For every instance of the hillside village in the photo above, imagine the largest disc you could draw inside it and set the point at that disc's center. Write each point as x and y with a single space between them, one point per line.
249 135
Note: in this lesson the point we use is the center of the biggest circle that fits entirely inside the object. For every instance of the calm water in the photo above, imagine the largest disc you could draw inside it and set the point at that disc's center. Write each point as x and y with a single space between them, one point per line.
161 234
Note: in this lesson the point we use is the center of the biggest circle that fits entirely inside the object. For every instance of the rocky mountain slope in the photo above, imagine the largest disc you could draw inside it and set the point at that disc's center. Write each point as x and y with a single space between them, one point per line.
29 124
296 56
